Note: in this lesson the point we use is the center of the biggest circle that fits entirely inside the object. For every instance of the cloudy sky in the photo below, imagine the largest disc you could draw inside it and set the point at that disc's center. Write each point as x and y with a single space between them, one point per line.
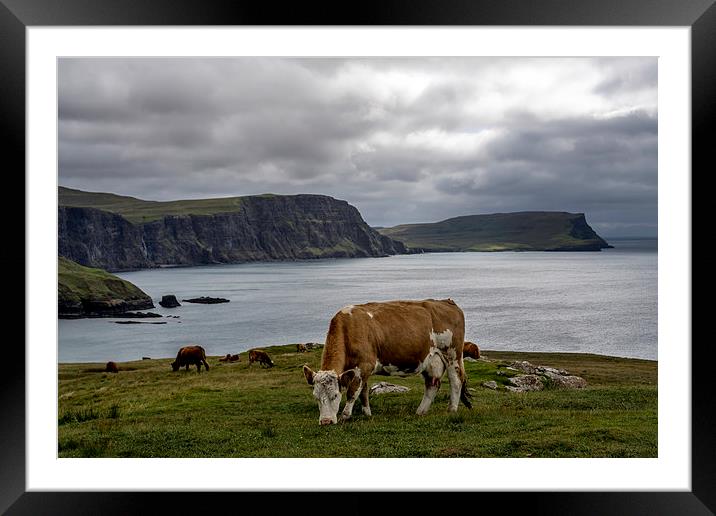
402 139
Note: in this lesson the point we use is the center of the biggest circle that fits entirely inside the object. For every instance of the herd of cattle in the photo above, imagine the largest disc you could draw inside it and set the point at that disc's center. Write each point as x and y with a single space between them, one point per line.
389 338
196 355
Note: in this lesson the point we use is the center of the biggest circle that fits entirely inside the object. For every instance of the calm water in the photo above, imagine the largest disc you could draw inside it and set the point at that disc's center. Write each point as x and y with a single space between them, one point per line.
602 303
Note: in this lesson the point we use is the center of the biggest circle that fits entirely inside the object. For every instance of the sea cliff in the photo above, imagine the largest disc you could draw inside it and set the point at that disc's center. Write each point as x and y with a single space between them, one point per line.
258 228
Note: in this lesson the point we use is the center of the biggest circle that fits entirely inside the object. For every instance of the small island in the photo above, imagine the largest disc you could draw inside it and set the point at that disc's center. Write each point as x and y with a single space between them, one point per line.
205 300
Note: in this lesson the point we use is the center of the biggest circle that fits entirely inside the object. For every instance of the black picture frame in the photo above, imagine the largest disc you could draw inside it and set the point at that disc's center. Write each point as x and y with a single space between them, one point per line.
17 15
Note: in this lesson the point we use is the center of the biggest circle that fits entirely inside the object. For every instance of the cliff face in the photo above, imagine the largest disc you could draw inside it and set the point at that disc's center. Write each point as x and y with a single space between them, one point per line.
97 238
260 228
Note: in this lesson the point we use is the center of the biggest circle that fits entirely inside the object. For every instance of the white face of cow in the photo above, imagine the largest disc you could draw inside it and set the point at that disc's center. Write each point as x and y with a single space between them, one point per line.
327 392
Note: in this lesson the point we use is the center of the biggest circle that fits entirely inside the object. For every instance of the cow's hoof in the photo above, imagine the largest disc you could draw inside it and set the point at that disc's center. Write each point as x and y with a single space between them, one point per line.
345 417
367 412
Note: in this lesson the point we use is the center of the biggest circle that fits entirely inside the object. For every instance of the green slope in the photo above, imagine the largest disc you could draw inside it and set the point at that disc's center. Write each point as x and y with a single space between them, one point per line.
138 211
83 291
520 231
237 410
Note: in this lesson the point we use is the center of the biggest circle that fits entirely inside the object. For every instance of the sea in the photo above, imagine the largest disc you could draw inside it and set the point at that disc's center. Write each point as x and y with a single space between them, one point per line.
587 302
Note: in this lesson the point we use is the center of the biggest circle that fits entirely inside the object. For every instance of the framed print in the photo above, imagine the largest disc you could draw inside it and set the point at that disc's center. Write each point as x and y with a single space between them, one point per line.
154 135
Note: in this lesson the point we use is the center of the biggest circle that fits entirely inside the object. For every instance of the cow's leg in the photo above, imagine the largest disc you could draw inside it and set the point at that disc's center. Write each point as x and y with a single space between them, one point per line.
354 389
366 369
198 367
364 394
187 367
206 366
455 376
432 374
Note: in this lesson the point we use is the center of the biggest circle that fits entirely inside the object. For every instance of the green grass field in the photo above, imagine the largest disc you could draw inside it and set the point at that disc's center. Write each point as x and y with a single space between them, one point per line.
139 211
235 410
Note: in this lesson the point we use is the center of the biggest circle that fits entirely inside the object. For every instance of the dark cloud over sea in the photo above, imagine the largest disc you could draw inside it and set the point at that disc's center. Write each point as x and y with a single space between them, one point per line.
402 139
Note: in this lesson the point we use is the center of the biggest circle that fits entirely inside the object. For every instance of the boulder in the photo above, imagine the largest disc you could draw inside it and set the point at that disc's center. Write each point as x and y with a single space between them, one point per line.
567 381
542 375
206 300
135 315
383 387
138 322
169 301
492 384
524 383
527 367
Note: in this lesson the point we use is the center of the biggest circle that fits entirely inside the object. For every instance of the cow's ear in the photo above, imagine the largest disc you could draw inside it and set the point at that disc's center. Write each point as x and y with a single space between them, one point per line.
308 373
347 377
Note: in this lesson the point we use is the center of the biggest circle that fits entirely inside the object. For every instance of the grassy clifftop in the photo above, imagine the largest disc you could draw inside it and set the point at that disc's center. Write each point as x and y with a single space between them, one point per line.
138 210
521 231
237 410
84 291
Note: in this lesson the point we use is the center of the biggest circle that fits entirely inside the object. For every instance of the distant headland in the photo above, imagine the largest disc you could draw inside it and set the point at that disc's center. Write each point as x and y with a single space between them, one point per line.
116 233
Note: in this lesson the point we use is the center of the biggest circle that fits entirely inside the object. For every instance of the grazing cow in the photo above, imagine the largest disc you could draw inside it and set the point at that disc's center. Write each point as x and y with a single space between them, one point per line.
111 367
301 348
260 356
230 358
189 355
395 337
470 349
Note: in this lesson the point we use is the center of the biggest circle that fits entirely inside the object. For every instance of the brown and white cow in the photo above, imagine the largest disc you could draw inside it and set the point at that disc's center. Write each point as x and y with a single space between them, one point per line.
190 355
470 349
395 337
260 356
301 348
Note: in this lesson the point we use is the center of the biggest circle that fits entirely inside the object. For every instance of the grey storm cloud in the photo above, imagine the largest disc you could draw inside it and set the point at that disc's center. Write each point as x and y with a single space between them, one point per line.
403 139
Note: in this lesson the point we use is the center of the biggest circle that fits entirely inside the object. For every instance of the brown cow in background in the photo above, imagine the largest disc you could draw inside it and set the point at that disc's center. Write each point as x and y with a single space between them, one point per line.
470 349
111 367
260 356
301 348
190 355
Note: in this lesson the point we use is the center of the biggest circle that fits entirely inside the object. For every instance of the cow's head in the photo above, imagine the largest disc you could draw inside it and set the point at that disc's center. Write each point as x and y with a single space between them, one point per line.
175 366
327 387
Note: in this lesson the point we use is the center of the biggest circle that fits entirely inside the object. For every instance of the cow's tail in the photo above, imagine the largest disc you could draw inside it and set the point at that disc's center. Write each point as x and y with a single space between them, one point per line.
465 394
